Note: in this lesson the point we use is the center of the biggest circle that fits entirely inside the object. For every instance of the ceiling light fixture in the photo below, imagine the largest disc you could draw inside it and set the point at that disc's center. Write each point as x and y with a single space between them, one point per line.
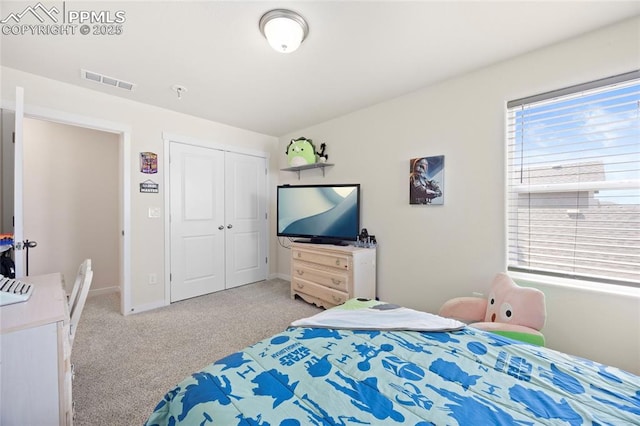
284 29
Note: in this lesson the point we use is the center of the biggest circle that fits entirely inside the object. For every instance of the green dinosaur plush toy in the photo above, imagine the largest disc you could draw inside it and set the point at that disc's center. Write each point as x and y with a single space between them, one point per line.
300 152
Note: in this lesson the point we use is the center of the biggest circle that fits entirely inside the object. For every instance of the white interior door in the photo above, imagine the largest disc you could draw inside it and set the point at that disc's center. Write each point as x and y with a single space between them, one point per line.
18 224
6 169
245 215
197 220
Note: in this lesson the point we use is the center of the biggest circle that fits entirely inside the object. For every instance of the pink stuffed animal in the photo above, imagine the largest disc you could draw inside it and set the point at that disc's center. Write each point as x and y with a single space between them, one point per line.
511 310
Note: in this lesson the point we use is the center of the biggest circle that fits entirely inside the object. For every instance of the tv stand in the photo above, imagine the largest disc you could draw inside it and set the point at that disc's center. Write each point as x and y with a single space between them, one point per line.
329 275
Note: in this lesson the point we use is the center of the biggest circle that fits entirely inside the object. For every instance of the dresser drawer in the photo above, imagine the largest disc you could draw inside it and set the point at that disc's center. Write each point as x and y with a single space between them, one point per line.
338 280
329 275
333 260
334 297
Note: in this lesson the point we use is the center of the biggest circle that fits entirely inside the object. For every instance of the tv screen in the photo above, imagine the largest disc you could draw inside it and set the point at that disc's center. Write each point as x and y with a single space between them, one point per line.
320 213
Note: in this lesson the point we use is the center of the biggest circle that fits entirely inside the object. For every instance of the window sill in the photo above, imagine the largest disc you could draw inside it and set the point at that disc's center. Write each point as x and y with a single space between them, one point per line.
591 286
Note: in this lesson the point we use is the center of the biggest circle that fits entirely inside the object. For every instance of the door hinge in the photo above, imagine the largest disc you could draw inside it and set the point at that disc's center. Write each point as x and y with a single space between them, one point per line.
266 260
13 137
170 276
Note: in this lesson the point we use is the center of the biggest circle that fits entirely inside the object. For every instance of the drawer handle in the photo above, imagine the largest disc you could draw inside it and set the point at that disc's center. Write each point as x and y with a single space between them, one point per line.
336 299
336 282
337 262
300 285
299 254
300 272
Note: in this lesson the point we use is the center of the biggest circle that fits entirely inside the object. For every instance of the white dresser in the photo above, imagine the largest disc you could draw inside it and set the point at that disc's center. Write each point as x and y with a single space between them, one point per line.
35 369
328 275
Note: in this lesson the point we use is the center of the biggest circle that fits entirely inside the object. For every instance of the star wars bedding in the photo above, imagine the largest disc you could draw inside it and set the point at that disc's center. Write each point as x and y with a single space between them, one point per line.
339 376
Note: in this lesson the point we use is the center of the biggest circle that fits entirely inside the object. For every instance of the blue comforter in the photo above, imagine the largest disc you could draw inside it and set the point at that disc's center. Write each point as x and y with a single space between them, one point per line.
321 376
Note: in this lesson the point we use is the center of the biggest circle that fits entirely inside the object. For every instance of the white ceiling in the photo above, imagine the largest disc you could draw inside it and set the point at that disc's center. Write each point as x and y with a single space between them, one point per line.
357 53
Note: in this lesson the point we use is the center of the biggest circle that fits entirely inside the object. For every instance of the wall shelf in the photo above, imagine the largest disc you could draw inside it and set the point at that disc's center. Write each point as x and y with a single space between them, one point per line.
307 167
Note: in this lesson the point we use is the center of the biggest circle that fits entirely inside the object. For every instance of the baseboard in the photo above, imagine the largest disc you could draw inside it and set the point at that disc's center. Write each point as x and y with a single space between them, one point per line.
280 276
102 291
146 307
160 304
134 309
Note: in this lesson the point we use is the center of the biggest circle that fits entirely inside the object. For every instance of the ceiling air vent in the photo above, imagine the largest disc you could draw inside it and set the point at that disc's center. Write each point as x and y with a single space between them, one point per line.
109 81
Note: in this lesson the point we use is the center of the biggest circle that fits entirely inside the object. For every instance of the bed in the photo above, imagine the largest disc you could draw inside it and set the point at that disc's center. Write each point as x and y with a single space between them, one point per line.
372 363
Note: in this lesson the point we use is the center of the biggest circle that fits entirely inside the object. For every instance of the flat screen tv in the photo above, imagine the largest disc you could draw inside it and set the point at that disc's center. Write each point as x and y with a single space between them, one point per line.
322 214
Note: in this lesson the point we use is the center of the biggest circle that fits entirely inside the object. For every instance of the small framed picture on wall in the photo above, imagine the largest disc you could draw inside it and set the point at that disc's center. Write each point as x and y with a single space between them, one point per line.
148 162
426 180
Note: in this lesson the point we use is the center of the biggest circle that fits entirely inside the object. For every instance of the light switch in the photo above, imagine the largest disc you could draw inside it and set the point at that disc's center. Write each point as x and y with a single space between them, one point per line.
154 212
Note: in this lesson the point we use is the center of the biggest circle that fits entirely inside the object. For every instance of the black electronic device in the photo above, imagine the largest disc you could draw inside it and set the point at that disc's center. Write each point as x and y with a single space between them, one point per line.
324 214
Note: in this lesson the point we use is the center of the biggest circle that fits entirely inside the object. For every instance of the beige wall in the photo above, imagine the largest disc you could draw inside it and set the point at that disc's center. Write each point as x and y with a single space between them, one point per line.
428 254
71 201
147 124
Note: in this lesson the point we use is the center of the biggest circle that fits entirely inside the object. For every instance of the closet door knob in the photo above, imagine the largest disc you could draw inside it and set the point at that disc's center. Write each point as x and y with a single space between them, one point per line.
221 227
229 226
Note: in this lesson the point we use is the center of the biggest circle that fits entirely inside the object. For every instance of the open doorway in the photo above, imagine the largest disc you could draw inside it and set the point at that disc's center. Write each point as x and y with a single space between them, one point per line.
71 201
79 208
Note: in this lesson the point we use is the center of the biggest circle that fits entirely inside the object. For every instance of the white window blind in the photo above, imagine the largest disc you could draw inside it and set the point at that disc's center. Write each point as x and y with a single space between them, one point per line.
573 182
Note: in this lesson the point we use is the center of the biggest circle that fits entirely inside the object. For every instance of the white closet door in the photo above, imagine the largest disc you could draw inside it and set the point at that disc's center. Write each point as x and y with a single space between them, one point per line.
245 214
197 221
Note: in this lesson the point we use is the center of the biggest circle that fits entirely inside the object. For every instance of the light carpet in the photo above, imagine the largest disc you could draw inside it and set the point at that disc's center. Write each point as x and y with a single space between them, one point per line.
125 364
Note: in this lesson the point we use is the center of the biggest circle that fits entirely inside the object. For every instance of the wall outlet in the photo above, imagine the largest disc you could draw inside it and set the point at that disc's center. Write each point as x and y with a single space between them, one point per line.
153 278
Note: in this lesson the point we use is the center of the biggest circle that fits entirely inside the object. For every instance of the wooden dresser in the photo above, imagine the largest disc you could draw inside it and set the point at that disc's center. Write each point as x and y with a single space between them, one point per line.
35 381
328 275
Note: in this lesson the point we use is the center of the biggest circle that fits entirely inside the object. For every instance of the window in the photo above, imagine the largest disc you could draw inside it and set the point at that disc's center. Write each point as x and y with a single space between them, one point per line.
573 182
